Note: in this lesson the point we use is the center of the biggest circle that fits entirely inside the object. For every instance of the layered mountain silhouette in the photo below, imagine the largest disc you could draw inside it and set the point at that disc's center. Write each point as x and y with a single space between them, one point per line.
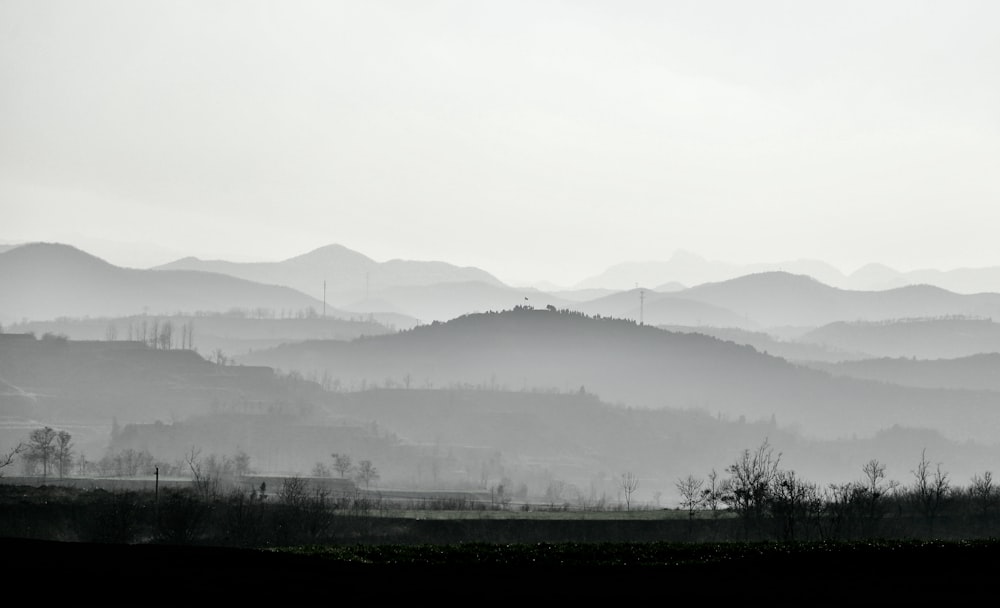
656 308
46 281
775 299
689 268
976 372
49 280
692 269
923 338
794 350
634 365
349 275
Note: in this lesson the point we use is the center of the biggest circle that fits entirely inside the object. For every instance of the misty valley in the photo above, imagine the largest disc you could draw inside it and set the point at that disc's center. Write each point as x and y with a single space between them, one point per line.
331 401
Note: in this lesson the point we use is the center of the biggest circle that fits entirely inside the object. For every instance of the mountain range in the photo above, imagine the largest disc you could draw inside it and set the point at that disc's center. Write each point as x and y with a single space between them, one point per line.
691 269
634 365
348 275
44 281
47 281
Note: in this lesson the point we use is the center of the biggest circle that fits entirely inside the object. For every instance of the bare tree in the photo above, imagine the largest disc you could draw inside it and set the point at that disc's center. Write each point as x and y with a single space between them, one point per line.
930 489
8 458
41 448
629 483
367 473
793 501
692 497
875 489
206 484
983 492
63 453
342 463
166 335
750 482
187 335
714 493
294 491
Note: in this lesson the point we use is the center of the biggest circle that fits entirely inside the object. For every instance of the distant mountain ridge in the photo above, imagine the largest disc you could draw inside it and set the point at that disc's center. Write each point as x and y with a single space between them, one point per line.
940 338
349 276
692 269
782 299
46 281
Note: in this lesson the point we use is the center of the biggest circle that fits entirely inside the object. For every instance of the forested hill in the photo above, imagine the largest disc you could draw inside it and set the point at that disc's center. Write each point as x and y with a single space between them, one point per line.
634 365
92 381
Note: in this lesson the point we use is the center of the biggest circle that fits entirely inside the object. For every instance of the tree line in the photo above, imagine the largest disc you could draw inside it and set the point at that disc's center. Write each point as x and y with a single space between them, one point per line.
770 501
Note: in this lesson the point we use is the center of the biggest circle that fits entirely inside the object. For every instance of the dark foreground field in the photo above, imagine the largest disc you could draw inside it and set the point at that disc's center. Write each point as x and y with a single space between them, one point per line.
692 574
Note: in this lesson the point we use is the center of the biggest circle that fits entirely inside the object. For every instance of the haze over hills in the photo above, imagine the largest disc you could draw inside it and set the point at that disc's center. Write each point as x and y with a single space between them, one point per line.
438 291
779 298
349 275
46 281
794 350
638 366
663 309
689 268
692 269
171 401
923 338
975 372
94 381
211 334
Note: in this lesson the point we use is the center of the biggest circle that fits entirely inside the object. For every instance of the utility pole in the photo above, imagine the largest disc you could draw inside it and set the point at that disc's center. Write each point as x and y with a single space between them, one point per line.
642 302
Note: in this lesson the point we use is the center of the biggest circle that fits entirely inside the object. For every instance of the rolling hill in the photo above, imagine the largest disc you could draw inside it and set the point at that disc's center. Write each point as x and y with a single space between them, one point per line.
923 338
638 366
976 372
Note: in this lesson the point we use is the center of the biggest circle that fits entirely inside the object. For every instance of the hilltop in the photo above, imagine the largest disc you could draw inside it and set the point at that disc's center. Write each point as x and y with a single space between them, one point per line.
639 366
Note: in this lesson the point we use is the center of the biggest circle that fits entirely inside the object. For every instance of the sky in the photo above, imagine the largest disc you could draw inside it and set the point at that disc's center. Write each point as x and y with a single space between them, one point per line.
538 140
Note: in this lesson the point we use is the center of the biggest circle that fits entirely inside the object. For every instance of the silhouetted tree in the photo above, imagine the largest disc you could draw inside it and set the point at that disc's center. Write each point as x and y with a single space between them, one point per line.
165 338
983 493
793 503
930 490
7 458
367 473
63 453
342 463
692 497
750 483
715 492
41 448
873 493
629 483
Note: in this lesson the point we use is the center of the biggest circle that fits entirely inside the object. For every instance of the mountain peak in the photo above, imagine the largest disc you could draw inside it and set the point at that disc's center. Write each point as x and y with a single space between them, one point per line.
333 253
54 253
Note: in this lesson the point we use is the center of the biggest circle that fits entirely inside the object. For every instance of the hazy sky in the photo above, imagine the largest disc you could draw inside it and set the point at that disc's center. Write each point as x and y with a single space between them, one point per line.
538 140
